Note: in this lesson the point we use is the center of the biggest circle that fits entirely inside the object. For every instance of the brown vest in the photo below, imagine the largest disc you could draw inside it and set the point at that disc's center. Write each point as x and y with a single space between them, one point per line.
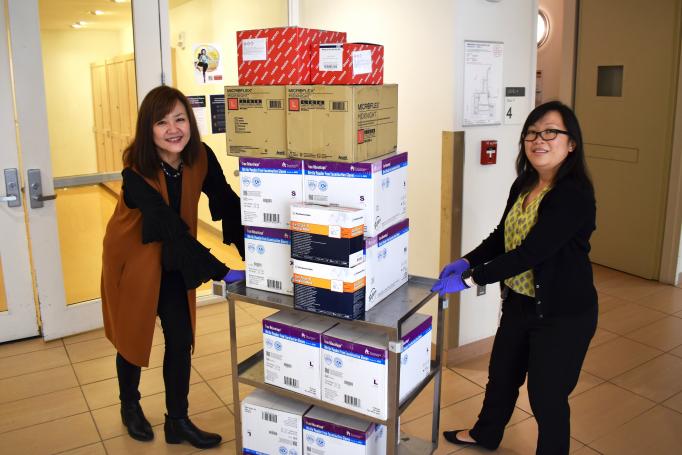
131 271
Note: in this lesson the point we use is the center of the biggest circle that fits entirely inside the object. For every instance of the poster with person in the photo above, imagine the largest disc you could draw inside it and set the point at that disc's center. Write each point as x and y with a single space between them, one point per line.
208 66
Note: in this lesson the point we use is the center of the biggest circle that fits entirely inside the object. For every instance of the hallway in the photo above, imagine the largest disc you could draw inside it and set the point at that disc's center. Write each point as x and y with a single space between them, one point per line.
61 396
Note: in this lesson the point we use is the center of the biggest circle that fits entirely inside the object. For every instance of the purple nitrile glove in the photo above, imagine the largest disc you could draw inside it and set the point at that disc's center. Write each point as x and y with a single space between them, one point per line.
234 275
459 266
450 284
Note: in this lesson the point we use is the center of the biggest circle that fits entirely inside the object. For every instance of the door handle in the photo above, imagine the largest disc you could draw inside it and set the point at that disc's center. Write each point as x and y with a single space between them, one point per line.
12 188
35 189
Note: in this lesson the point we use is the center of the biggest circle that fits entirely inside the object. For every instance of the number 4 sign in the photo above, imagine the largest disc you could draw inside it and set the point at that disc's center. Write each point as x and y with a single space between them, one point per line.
514 105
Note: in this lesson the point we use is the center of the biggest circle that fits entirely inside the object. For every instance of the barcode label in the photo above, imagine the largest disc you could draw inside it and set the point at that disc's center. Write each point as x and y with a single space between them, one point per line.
329 66
274 284
271 217
291 382
339 106
267 199
348 383
269 416
316 197
275 104
353 401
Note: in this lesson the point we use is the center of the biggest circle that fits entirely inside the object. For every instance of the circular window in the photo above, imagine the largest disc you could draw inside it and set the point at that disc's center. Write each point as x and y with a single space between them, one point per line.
543 28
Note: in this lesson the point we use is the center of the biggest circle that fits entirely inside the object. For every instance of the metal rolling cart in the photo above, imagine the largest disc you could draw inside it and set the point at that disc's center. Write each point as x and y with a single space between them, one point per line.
388 316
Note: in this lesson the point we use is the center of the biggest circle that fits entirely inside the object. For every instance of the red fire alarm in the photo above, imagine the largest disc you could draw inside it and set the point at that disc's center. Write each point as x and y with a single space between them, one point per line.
488 152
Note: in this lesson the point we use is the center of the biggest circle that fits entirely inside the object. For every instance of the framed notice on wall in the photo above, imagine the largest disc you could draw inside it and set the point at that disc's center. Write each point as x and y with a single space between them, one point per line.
483 99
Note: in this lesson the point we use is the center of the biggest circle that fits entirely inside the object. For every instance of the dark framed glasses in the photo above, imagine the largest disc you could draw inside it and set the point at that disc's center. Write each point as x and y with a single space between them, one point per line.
546 135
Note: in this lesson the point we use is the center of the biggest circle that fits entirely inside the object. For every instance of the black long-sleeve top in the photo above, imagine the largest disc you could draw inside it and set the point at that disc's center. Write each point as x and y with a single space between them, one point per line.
162 222
556 249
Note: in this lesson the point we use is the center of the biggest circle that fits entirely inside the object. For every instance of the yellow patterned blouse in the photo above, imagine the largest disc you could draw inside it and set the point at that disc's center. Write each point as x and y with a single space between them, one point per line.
516 228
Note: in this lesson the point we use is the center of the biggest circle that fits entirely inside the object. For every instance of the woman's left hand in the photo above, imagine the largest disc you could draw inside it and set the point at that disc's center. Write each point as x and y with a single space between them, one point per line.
234 276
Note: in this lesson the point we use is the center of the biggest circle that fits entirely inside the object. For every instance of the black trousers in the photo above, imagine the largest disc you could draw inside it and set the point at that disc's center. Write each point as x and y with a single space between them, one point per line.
550 351
173 310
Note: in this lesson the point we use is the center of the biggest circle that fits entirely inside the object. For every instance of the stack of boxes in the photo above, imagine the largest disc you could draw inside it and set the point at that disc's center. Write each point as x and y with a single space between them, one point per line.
324 204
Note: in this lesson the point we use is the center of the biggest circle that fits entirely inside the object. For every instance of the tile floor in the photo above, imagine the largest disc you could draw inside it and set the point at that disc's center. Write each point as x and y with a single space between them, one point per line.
61 396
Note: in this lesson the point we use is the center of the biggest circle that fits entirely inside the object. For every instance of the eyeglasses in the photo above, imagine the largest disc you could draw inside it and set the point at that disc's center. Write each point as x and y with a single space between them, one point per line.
546 135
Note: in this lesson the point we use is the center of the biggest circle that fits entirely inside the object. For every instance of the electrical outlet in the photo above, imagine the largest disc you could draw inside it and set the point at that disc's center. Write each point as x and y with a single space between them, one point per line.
480 290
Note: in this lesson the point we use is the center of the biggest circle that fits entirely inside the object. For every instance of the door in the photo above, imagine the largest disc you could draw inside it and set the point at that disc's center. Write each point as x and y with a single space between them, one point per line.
626 77
17 312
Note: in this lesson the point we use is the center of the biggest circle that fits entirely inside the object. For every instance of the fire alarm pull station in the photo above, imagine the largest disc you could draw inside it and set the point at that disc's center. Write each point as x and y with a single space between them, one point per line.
488 152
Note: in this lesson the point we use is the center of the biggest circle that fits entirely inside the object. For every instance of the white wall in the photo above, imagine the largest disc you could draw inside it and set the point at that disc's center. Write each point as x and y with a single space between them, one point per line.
217 21
66 58
556 58
423 54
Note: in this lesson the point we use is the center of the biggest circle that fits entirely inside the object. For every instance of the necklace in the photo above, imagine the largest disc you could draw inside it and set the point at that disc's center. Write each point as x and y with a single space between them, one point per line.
169 171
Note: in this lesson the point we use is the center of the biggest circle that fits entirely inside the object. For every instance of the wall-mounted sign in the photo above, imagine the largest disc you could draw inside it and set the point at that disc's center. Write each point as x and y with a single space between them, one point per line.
482 83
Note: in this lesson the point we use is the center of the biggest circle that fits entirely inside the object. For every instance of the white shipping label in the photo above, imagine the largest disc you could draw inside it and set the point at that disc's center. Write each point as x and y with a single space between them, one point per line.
331 58
362 62
254 49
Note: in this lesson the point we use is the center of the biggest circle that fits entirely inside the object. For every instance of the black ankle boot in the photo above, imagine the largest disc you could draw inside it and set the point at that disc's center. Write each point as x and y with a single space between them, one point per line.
178 430
133 418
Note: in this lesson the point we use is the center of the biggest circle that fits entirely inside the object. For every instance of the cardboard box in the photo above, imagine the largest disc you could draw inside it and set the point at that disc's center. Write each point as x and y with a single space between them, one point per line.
256 121
327 235
268 188
279 56
330 290
291 351
345 123
268 259
378 186
386 257
347 64
327 432
272 424
355 360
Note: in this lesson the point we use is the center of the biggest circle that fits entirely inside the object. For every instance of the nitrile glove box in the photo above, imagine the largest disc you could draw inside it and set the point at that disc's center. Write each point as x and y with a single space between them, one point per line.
268 259
268 187
291 351
327 235
327 432
272 424
355 360
330 290
386 258
378 186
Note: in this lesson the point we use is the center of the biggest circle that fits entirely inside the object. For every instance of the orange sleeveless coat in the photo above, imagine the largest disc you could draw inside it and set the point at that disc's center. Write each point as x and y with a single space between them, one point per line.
131 270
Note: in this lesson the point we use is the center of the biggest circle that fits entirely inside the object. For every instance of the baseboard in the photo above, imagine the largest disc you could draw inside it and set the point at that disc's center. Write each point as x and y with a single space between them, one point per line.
469 351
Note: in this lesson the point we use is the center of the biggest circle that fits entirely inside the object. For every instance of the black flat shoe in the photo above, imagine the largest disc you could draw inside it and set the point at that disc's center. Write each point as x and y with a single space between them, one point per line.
179 430
137 424
451 436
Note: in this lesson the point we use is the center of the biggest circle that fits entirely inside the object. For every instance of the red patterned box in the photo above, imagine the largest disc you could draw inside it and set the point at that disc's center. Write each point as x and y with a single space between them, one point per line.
279 56
347 64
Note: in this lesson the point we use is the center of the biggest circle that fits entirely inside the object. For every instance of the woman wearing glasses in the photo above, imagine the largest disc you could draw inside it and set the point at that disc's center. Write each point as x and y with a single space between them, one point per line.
539 254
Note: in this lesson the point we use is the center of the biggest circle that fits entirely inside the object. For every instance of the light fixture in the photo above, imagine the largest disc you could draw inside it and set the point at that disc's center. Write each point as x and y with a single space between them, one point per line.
543 28
118 1
97 12
76 25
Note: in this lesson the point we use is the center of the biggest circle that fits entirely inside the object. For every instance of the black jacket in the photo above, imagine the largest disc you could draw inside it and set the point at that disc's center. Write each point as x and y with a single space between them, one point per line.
556 249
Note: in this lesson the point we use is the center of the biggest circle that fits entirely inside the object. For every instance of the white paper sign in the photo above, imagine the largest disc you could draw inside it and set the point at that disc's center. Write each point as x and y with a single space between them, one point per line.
362 62
483 83
254 49
331 57
513 106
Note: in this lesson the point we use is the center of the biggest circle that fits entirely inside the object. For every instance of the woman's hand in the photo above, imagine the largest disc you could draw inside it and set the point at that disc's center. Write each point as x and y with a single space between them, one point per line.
459 266
234 276
449 284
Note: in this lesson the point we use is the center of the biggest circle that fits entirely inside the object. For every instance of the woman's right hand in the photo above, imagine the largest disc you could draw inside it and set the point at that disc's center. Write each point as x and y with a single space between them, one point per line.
459 266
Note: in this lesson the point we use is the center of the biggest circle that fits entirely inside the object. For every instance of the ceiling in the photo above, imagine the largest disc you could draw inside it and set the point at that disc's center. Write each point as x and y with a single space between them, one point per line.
60 14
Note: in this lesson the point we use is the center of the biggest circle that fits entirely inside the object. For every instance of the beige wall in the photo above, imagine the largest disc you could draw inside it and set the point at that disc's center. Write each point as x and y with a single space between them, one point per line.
66 63
217 21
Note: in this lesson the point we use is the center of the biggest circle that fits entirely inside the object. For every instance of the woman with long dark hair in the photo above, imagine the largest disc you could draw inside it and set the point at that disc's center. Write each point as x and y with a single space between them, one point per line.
539 254
152 262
